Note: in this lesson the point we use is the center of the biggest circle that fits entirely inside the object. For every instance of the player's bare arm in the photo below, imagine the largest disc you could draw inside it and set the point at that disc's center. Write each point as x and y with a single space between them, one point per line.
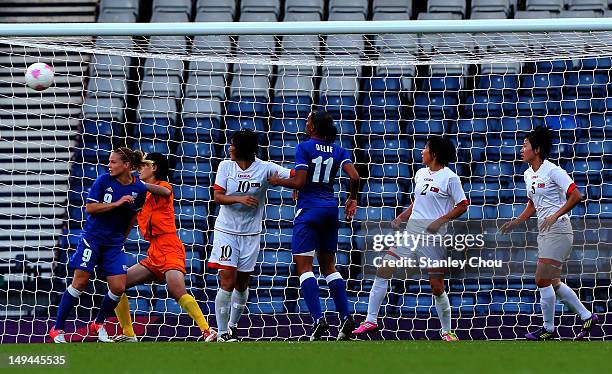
350 206
402 217
158 190
528 212
223 199
457 211
573 198
97 208
296 182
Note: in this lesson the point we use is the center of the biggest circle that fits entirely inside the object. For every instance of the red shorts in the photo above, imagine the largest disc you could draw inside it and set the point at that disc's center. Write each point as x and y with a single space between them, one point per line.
166 252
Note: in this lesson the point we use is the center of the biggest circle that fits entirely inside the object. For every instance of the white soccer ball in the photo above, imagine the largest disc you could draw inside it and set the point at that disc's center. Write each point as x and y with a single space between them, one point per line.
39 76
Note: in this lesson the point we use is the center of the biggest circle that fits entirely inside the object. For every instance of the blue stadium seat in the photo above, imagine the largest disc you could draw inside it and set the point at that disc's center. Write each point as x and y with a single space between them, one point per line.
201 129
247 106
599 210
89 172
380 127
482 193
100 128
412 304
78 192
439 85
558 66
193 262
192 237
390 170
427 126
136 243
339 106
291 106
428 106
604 63
277 238
548 85
345 242
537 105
275 262
386 149
483 125
585 171
524 124
193 194
149 146
571 104
381 105
375 214
289 125
190 215
278 195
483 106
264 305
471 150
345 127
597 124
279 216
588 83
594 148
490 171
284 151
498 84
475 212
139 306
509 149
167 306
379 193
160 129
200 151
193 173
239 123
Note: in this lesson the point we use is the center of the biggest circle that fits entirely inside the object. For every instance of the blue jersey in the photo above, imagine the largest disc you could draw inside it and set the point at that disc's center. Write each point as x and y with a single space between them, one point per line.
322 160
110 227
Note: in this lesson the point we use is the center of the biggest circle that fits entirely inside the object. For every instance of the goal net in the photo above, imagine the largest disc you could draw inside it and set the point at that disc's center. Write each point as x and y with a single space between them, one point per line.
183 96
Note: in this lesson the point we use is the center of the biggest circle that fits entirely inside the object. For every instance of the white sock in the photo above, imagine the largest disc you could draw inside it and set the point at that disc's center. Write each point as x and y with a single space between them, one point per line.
222 309
547 301
238 302
444 311
74 292
377 294
571 300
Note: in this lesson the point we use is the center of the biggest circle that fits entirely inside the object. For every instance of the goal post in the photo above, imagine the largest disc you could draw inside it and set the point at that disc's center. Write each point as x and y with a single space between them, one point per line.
183 88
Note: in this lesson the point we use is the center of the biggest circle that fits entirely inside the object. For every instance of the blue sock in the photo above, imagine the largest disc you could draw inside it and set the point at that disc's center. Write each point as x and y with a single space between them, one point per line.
109 303
69 300
310 293
337 288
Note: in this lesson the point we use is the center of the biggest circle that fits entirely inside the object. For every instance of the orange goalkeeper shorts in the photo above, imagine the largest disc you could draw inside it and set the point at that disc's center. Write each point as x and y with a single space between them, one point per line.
166 252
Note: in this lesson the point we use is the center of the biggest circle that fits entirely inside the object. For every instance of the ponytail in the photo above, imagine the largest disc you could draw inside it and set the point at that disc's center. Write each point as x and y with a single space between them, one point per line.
135 158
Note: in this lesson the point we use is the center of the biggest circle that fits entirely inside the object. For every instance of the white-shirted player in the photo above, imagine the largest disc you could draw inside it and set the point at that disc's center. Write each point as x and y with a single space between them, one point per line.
240 188
552 194
438 199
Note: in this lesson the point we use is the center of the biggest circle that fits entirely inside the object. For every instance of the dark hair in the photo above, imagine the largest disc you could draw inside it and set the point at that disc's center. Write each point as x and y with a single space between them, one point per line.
135 158
443 149
541 138
246 144
161 173
323 124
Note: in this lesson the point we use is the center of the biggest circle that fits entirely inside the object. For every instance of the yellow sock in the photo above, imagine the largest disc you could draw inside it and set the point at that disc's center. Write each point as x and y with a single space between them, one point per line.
190 305
122 311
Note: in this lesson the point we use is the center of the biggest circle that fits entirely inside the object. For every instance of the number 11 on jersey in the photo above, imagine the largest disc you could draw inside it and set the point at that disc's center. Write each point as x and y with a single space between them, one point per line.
316 175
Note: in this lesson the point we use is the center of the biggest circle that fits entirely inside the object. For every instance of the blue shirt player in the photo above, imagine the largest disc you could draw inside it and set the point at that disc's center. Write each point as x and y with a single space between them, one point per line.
315 227
112 204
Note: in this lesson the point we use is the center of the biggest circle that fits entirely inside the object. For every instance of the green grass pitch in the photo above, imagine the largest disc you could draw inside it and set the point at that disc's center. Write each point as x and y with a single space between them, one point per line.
326 357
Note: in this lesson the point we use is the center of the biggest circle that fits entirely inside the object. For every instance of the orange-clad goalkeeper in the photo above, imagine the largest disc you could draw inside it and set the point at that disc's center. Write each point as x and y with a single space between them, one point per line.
166 255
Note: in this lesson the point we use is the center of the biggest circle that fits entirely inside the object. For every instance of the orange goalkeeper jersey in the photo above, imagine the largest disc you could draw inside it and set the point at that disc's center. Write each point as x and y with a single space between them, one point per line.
157 215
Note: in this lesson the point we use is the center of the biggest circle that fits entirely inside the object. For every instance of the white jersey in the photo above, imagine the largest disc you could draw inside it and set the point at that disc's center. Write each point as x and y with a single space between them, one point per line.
239 219
548 188
435 194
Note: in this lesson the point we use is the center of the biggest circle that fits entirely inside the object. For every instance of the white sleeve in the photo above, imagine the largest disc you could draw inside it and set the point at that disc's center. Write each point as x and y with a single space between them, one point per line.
455 190
561 179
282 171
222 176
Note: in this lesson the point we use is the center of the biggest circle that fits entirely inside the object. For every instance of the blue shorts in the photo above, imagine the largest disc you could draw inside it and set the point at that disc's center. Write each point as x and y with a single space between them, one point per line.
89 253
315 229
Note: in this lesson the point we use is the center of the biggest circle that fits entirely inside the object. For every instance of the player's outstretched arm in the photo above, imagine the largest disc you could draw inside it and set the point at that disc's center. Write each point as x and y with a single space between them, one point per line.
528 212
97 208
296 182
158 190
